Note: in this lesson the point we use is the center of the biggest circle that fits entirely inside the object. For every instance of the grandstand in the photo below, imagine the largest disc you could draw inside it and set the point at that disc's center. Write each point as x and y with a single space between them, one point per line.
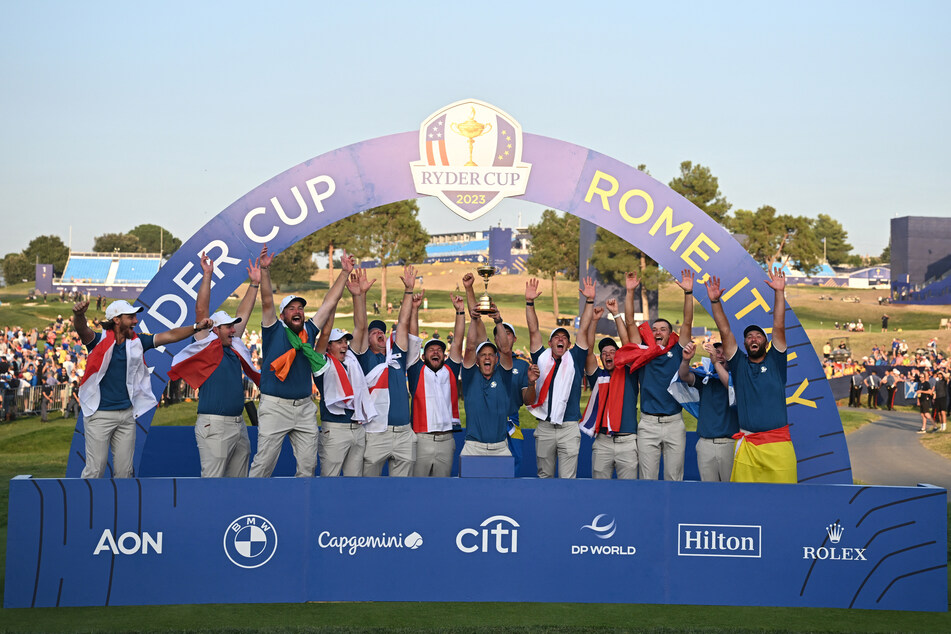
113 275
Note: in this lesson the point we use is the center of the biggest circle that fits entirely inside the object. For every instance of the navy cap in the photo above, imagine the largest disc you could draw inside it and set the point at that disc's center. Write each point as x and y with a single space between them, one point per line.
377 324
751 328
604 343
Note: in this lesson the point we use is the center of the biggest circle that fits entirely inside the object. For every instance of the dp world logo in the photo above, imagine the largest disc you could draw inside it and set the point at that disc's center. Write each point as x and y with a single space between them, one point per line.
470 157
250 541
601 527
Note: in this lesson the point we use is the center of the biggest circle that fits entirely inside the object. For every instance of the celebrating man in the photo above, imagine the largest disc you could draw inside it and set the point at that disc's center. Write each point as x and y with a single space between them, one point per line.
115 388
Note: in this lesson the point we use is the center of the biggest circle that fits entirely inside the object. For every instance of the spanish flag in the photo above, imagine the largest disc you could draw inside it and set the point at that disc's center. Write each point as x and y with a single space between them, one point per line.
766 456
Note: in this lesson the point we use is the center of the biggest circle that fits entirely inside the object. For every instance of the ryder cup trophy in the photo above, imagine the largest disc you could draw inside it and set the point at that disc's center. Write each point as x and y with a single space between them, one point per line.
484 307
471 129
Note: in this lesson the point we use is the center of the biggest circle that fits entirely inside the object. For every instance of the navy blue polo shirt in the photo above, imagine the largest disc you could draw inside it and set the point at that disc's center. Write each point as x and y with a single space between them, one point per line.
299 379
629 409
760 390
399 393
655 379
222 393
716 418
519 383
578 356
113 393
488 404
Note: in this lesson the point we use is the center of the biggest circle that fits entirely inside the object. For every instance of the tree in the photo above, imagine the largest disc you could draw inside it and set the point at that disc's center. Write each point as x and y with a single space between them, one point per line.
773 238
16 268
554 249
156 239
293 265
340 234
886 256
124 242
46 250
698 185
613 257
836 247
390 234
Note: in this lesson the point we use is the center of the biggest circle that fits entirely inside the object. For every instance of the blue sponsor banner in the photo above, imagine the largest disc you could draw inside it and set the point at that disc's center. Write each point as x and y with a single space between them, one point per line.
187 540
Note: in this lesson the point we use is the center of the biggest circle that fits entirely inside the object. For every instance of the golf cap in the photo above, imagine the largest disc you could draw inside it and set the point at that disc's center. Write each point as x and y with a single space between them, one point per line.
121 307
510 327
336 335
484 344
564 330
604 343
291 298
437 342
221 318
377 324
753 328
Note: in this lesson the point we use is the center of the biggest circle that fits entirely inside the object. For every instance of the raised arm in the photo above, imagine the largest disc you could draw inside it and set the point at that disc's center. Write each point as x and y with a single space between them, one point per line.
531 318
80 325
528 394
618 320
414 314
247 302
591 361
467 281
588 290
722 373
323 339
333 296
468 359
631 282
268 316
202 308
777 282
459 329
503 339
402 323
686 283
358 285
723 324
684 370
182 332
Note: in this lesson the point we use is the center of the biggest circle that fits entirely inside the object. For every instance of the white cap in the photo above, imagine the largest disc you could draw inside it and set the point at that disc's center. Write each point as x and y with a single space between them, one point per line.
511 328
287 300
221 318
336 335
486 343
567 334
438 342
121 307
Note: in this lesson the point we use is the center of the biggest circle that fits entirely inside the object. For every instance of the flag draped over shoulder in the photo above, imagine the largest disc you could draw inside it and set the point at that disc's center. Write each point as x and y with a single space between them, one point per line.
378 381
345 388
689 396
197 361
436 401
282 364
137 381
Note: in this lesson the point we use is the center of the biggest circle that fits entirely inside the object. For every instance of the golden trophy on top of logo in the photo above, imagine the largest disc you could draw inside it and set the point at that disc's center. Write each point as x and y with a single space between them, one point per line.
484 307
471 129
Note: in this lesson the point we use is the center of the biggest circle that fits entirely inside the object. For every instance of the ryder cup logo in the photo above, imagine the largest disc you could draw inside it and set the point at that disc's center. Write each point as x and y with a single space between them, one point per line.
250 541
470 157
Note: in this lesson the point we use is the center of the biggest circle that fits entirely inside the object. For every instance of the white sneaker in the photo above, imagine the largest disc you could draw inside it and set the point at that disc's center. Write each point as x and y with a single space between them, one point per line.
944 427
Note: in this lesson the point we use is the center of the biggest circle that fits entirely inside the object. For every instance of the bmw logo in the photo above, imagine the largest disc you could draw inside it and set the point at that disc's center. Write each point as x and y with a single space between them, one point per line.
250 541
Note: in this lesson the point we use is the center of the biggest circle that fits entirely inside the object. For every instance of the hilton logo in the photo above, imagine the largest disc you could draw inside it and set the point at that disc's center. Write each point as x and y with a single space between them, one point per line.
719 540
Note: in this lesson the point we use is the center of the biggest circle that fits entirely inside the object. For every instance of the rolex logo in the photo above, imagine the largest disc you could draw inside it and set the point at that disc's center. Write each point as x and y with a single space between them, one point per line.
835 532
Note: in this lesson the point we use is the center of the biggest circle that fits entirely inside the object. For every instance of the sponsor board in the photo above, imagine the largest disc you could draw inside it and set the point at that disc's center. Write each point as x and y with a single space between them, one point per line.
835 552
602 527
351 544
498 533
719 540
129 543
250 541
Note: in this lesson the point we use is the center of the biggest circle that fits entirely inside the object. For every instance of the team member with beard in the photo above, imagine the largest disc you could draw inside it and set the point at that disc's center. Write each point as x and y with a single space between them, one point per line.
764 452
487 390
390 438
661 427
613 404
215 364
434 388
288 365
558 408
116 389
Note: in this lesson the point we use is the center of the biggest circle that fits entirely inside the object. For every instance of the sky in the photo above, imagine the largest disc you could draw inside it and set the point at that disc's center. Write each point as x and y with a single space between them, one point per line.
114 114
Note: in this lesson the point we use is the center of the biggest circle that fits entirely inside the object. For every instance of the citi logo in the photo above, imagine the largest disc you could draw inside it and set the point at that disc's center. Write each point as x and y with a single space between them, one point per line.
719 540
498 532
129 543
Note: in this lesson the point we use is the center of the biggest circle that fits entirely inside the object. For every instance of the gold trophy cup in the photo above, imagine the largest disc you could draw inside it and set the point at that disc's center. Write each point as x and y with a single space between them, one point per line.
471 129
484 307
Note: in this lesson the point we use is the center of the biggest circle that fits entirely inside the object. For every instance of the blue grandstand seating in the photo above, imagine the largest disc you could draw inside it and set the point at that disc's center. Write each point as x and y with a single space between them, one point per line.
136 271
87 270
462 248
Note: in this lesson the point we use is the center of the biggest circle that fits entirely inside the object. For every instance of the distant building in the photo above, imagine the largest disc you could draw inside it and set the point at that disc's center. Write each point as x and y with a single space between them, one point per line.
921 260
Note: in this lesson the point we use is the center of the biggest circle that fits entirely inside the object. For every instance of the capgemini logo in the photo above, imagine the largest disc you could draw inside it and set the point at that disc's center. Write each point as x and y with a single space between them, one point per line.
835 531
603 531
413 541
